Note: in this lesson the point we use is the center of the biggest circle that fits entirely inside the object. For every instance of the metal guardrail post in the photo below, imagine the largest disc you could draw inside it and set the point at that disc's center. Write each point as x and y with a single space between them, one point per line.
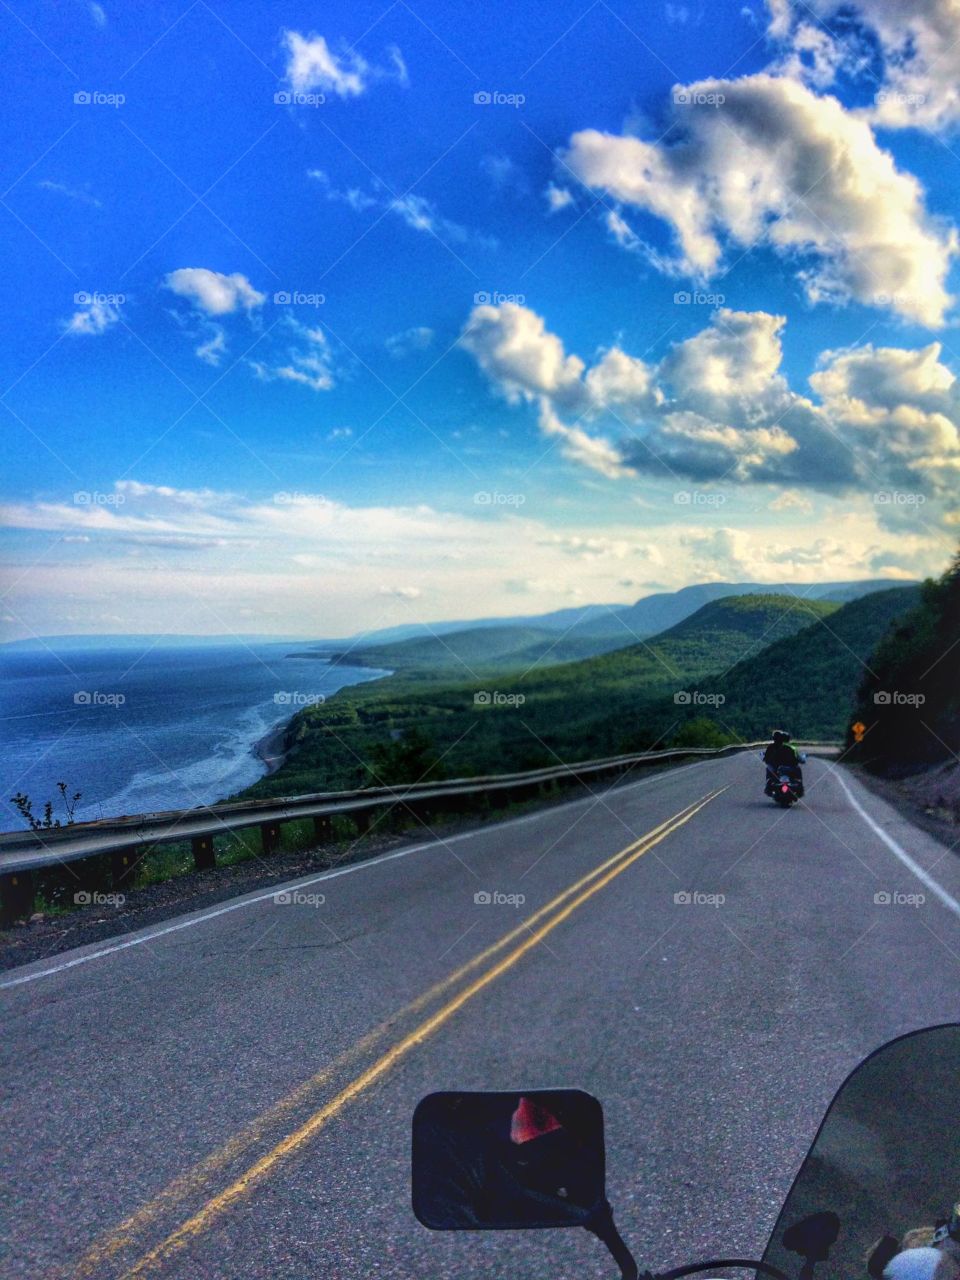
16 896
361 820
204 854
322 828
269 837
122 864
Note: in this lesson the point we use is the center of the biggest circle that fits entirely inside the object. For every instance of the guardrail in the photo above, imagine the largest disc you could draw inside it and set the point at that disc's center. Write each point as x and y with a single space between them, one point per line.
125 840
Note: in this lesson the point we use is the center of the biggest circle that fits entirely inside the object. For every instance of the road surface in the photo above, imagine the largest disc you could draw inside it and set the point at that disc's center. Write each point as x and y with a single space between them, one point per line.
229 1095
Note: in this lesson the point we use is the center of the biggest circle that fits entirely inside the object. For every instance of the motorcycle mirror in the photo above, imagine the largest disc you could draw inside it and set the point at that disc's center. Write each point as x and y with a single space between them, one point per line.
511 1161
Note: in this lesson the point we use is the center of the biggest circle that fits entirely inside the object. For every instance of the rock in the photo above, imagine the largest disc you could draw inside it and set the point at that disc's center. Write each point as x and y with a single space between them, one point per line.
37 915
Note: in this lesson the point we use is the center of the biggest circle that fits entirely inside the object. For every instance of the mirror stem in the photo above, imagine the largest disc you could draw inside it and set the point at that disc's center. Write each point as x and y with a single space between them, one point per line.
604 1228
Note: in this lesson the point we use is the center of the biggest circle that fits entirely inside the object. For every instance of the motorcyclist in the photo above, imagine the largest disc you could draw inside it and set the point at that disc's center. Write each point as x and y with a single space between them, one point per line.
781 755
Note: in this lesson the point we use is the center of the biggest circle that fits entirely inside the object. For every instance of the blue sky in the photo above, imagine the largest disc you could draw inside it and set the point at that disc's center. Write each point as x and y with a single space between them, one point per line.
326 318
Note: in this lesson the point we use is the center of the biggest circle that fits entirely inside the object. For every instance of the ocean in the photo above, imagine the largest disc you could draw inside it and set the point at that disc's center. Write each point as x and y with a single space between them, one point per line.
141 730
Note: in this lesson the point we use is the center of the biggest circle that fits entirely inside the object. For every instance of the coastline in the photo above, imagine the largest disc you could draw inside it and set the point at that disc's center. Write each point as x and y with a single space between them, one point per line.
271 749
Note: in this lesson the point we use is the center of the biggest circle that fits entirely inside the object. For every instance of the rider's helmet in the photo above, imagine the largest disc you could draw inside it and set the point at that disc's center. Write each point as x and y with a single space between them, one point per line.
780 736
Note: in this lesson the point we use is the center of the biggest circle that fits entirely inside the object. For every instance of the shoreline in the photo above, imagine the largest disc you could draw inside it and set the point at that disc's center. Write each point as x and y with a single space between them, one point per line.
271 749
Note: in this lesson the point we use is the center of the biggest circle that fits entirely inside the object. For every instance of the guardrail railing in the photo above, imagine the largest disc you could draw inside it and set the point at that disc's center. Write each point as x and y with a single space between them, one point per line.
125 840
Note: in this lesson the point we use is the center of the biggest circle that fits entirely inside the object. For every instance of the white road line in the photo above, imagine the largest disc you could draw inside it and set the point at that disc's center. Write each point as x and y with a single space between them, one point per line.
898 850
213 912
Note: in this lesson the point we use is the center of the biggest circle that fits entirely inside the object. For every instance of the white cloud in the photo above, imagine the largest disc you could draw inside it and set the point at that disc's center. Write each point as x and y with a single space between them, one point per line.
621 230
213 350
775 164
421 214
718 407
513 347
92 318
98 15
919 41
419 338
357 200
900 410
309 361
213 292
416 212
557 197
313 65
594 452
317 566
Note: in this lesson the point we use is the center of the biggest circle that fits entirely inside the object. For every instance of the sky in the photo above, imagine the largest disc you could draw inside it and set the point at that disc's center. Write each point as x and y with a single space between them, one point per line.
324 318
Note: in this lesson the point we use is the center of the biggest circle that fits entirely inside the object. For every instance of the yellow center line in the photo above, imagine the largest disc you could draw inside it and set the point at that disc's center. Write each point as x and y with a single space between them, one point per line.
190 1183
221 1202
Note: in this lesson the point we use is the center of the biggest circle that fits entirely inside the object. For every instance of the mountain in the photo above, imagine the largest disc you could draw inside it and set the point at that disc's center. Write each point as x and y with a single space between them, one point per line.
626 700
558 620
807 684
624 623
607 625
656 613
474 651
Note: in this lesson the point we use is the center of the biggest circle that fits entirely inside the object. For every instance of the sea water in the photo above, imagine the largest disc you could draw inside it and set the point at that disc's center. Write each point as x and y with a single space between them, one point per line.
155 728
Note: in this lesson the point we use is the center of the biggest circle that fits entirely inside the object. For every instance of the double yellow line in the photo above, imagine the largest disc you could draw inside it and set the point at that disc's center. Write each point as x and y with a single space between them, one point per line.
532 931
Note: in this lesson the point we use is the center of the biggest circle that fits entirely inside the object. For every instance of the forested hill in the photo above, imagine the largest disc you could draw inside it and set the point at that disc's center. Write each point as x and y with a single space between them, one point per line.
807 683
909 699
628 700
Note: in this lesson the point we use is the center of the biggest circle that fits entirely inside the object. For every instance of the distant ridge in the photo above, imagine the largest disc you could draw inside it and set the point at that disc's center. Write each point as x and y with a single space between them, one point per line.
625 624
615 624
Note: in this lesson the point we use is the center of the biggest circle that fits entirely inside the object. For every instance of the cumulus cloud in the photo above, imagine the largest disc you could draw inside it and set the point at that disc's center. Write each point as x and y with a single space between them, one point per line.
312 65
900 411
92 318
214 293
918 42
513 347
776 164
717 406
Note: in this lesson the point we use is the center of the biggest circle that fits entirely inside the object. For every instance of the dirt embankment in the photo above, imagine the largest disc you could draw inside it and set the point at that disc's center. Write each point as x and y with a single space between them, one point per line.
931 797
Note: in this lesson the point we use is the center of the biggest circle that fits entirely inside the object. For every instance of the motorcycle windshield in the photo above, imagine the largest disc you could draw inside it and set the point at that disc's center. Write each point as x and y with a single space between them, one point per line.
883 1173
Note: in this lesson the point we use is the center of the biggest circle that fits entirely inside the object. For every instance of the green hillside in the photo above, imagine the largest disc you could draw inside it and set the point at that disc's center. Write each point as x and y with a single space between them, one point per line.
909 699
617 702
808 683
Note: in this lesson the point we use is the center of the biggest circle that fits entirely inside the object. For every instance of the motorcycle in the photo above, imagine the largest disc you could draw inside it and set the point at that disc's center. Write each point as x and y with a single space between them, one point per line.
875 1196
783 783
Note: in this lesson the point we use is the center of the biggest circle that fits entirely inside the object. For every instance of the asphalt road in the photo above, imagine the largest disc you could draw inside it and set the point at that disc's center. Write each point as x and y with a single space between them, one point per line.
229 1095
